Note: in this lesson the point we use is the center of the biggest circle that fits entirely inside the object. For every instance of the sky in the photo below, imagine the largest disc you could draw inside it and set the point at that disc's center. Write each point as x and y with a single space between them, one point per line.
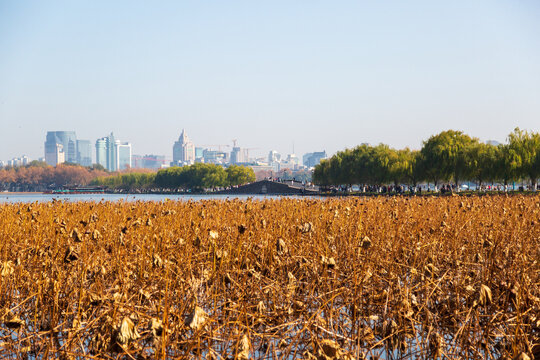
305 75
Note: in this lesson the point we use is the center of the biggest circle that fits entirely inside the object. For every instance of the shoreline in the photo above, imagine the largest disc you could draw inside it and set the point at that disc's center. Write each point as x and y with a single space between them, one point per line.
326 195
21 193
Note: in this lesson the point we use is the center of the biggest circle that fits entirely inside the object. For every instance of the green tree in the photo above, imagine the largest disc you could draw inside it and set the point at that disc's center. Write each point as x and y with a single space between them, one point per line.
508 164
337 171
359 165
481 160
381 164
527 146
405 167
321 173
238 175
171 177
444 156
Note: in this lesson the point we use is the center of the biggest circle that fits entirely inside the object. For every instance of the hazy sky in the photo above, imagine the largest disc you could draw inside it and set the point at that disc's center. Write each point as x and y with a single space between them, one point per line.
323 75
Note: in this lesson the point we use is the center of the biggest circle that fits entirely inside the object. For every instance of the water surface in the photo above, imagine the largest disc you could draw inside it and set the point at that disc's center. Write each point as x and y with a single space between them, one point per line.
32 197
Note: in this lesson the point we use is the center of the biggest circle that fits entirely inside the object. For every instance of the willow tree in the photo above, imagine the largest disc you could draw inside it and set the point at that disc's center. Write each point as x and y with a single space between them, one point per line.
321 173
405 168
527 146
444 156
507 164
481 160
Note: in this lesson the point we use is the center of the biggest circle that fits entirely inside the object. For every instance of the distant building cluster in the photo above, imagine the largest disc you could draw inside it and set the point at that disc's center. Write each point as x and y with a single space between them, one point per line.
21 161
115 155
185 152
63 146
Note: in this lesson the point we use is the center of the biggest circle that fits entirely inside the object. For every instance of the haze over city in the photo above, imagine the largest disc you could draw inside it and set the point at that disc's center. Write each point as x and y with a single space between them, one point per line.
319 75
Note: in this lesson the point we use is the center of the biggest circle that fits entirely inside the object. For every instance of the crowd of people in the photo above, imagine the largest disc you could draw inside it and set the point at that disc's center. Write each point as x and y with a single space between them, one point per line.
424 188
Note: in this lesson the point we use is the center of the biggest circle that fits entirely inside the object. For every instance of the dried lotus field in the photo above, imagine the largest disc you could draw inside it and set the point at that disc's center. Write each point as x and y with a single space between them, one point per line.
379 278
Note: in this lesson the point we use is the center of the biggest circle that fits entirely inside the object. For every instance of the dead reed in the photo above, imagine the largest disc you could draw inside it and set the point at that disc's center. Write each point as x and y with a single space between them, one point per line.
394 278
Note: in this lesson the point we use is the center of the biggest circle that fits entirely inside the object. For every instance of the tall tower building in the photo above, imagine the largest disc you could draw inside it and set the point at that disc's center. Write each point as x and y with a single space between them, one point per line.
273 156
112 157
84 152
113 154
314 158
67 139
101 152
239 155
123 155
183 150
55 156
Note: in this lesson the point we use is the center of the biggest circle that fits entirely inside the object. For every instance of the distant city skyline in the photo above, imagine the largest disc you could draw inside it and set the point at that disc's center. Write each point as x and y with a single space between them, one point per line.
319 75
86 152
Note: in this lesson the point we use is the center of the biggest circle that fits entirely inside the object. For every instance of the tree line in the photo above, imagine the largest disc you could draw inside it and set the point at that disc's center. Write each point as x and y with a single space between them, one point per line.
450 156
38 176
194 177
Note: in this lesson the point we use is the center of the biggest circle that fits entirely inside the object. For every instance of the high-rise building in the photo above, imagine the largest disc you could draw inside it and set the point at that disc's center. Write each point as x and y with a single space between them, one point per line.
183 150
214 156
273 156
292 162
84 152
199 153
55 156
123 155
239 155
67 139
101 152
113 154
313 159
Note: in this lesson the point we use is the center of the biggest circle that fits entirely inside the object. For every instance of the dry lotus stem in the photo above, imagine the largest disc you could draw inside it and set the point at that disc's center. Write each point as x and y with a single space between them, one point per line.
354 278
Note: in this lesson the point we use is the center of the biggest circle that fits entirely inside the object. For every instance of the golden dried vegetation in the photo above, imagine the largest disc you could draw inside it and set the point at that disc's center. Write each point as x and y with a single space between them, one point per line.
394 278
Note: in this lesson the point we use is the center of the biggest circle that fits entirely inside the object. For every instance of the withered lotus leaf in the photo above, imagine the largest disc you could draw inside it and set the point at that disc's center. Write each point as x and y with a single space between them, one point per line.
70 255
12 321
127 332
335 278
197 318
156 327
6 268
485 297
244 347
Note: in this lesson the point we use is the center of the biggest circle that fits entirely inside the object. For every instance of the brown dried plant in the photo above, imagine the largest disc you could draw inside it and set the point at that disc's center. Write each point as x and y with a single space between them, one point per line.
355 278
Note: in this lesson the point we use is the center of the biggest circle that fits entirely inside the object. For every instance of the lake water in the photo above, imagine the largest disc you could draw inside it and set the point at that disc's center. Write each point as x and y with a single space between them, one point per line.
32 197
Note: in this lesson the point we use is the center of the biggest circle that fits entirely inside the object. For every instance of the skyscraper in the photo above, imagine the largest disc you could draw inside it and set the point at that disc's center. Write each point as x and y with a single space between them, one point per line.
113 154
312 159
101 152
183 150
107 150
273 156
199 153
68 140
239 155
123 155
84 152
55 155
